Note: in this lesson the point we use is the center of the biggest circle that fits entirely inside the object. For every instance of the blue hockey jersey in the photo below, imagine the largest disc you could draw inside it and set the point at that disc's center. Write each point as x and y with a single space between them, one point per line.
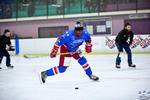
71 40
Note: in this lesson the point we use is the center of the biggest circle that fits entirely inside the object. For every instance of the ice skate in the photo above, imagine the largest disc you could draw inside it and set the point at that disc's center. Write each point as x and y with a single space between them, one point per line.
93 77
43 76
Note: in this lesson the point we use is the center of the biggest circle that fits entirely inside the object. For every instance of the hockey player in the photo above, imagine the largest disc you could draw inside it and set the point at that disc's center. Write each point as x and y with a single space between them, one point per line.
5 45
121 42
69 42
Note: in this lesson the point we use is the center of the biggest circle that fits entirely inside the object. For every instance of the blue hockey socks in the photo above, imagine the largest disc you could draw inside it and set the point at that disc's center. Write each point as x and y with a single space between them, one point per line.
83 62
55 70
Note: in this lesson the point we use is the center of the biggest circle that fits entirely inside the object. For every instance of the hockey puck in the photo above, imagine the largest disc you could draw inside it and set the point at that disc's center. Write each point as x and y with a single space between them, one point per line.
76 88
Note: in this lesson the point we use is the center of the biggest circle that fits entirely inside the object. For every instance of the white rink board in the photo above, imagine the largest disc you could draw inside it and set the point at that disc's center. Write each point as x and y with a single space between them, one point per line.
43 46
13 44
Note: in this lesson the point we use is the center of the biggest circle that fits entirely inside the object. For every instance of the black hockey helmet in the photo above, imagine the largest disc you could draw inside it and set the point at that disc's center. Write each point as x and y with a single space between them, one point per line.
78 26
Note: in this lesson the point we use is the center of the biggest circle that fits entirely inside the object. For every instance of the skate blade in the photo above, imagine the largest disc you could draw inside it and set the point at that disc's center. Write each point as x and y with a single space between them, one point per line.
95 80
39 75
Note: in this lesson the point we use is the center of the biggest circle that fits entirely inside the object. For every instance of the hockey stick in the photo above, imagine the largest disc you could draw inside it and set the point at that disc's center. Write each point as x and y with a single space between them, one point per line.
76 51
38 56
28 56
43 55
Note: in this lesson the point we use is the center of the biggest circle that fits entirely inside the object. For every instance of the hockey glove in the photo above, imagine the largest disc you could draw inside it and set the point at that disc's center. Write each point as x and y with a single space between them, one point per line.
88 47
12 48
54 51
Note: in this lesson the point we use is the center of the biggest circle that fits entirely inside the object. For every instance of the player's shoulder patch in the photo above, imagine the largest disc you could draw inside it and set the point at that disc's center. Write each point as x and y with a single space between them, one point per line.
67 33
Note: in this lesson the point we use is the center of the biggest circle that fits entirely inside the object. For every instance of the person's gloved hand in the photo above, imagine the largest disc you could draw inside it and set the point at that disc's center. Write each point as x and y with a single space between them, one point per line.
88 47
54 51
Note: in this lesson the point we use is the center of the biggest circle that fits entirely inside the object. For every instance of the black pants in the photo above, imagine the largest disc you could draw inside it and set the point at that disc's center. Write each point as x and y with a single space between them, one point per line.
4 52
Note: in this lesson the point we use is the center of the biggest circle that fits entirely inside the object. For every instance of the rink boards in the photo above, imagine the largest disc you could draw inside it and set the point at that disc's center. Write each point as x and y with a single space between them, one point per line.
101 45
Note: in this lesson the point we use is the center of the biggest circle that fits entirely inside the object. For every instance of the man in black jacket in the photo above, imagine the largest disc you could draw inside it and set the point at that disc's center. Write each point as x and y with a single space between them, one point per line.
121 42
5 45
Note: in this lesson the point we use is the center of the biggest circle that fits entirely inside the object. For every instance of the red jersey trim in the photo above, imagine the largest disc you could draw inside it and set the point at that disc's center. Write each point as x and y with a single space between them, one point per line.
76 35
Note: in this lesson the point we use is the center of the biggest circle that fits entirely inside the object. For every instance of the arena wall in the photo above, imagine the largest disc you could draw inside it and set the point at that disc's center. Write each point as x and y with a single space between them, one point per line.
30 28
101 44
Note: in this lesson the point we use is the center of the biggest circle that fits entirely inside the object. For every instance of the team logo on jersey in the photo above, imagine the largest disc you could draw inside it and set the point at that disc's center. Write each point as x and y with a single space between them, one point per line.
78 41
124 35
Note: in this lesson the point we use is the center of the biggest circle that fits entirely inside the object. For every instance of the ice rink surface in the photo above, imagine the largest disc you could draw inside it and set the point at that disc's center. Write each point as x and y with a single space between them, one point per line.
22 82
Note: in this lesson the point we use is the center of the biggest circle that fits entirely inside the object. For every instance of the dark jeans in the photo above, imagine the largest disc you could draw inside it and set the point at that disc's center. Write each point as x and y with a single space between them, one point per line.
4 52
128 51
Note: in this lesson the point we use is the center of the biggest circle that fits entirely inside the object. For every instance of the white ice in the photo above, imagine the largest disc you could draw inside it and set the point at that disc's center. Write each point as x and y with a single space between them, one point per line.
22 82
